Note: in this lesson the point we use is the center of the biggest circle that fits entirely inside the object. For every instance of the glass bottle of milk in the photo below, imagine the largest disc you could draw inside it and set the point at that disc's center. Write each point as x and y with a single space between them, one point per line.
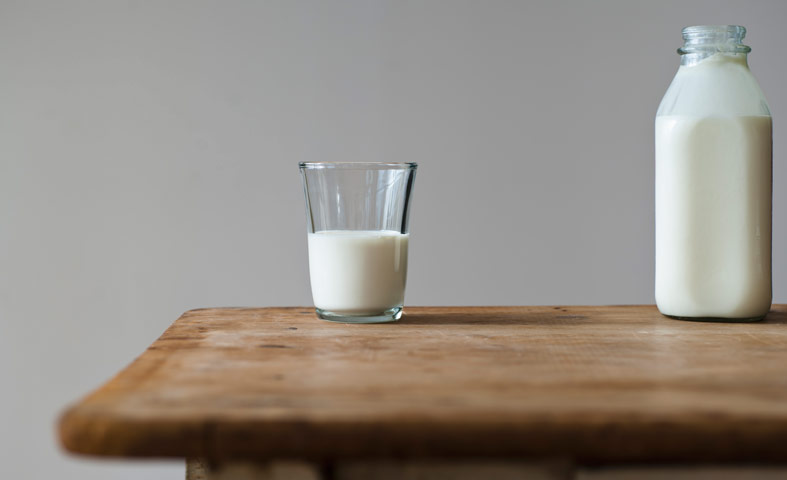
713 183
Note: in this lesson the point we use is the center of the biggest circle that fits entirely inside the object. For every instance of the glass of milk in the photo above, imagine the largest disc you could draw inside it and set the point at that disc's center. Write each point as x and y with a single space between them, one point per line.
713 183
357 216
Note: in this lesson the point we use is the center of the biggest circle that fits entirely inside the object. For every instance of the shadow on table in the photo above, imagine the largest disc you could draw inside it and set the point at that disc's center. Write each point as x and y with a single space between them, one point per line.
561 316
558 316
777 316
774 317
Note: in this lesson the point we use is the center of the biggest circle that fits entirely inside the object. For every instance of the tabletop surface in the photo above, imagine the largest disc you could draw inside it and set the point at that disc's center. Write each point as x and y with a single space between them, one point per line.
594 384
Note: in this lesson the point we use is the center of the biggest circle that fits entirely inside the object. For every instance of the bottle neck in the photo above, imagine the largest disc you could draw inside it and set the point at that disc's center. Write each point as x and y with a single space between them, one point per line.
704 41
691 59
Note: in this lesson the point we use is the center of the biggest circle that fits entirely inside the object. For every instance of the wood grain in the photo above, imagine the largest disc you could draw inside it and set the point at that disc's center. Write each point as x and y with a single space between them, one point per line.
593 384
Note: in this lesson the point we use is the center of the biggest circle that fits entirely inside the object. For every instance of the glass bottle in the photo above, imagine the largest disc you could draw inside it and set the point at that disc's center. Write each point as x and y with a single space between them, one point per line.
713 183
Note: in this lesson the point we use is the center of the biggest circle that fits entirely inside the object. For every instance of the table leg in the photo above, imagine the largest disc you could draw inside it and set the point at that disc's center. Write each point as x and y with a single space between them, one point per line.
199 469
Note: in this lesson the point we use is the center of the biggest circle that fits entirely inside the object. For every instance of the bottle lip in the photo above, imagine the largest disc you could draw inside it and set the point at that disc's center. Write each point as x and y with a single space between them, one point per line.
713 30
714 38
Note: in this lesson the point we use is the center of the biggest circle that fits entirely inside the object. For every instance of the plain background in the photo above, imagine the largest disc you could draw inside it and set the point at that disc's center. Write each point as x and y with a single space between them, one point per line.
149 149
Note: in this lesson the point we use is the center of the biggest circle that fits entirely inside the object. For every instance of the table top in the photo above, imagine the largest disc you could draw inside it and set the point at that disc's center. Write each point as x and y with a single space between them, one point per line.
593 384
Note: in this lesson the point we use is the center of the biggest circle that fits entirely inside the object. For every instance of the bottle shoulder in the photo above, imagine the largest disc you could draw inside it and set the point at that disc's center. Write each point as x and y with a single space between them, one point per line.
714 87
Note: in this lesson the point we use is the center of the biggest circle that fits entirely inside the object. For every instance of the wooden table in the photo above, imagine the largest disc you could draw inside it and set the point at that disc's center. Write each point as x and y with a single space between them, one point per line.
577 385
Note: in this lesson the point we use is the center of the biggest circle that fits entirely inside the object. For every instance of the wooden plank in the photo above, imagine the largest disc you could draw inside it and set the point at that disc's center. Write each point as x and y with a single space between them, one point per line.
459 469
592 384
380 470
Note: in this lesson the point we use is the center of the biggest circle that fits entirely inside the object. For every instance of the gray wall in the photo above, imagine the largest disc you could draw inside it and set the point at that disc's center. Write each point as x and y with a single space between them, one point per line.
148 157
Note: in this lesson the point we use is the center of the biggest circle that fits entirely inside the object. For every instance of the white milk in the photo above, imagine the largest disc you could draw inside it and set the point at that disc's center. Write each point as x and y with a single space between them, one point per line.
720 85
713 193
713 216
358 272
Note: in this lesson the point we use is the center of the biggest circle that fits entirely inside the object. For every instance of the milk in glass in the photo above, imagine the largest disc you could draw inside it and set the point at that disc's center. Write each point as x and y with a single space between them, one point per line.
358 272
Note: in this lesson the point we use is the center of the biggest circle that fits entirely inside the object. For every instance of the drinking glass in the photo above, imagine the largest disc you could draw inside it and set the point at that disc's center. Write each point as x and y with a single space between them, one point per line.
357 216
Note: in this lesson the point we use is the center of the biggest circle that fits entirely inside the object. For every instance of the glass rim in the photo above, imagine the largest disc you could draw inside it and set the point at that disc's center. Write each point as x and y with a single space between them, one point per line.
357 165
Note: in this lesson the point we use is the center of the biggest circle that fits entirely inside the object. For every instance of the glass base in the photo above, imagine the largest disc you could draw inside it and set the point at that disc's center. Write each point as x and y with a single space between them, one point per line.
717 319
390 315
